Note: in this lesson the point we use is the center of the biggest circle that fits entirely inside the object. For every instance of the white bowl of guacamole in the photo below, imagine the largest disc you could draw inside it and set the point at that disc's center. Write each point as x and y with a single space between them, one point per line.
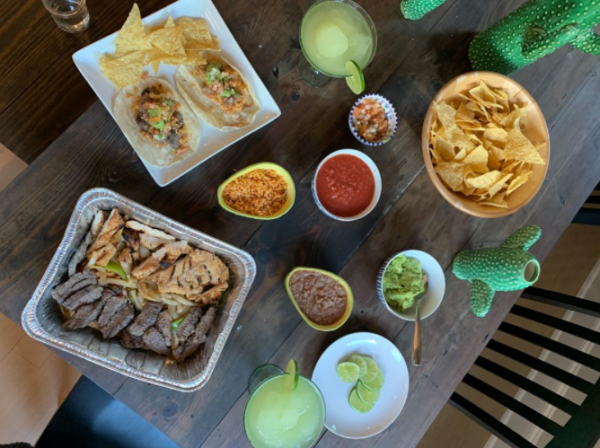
402 278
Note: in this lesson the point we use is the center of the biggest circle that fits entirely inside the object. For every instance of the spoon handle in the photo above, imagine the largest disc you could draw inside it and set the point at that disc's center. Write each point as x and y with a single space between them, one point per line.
417 339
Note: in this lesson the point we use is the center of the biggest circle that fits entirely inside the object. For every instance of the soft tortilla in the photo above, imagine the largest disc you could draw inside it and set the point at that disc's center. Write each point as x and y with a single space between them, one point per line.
190 85
152 152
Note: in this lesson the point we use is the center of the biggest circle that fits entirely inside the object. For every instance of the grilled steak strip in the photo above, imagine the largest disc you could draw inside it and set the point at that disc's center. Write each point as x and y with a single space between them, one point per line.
155 341
185 349
84 296
187 326
163 325
85 315
76 282
128 340
118 322
113 306
146 318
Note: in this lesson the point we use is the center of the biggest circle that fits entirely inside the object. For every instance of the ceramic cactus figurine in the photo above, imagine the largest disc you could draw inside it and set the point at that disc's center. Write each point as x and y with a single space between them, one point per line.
535 30
415 9
506 268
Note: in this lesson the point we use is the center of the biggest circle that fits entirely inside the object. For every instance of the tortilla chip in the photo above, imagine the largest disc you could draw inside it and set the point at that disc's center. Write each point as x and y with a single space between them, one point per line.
125 70
197 34
168 40
446 115
496 135
485 181
494 189
132 37
445 149
170 23
518 147
497 201
461 155
518 182
451 173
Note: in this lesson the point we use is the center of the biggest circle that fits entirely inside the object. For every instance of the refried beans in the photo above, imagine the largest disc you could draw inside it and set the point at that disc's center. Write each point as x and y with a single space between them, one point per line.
321 298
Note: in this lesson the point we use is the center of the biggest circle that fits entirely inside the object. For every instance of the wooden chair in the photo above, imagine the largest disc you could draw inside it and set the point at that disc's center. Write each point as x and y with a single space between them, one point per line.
583 428
587 214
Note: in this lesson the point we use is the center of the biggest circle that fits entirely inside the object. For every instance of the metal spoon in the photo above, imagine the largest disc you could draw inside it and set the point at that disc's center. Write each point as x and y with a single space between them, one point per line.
417 349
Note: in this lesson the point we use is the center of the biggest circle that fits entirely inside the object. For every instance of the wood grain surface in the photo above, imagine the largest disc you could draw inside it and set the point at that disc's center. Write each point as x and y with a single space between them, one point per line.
413 61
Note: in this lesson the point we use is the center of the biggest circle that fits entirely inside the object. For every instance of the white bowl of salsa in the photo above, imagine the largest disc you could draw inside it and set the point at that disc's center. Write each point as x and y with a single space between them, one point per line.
346 185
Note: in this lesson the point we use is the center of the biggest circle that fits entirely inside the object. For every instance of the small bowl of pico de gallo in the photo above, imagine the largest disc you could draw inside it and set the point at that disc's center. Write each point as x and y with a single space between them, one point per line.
373 120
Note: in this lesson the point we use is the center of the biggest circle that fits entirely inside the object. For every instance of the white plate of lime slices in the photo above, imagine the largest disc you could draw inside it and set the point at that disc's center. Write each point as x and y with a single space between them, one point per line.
364 380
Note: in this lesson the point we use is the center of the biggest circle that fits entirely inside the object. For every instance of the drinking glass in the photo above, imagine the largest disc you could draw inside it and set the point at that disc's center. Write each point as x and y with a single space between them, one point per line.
332 32
71 16
275 416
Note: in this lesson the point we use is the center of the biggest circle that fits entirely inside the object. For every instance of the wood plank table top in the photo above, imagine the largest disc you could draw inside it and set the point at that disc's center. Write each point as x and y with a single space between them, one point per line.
413 61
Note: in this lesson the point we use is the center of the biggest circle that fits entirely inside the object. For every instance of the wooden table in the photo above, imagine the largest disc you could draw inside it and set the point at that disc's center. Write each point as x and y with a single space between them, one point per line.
413 61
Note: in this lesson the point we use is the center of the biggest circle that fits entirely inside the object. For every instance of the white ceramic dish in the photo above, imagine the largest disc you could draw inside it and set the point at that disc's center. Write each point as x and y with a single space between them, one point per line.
341 419
435 293
376 175
212 140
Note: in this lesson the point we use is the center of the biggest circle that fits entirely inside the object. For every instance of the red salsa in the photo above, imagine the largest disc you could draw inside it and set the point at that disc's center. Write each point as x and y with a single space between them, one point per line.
345 185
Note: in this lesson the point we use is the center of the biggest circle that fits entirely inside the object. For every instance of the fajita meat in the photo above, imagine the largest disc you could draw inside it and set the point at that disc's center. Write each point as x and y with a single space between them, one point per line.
85 315
146 318
84 296
118 322
155 341
191 344
76 282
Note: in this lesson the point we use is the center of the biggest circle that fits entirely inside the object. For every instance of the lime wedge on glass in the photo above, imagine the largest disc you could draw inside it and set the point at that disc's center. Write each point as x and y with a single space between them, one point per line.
376 383
357 404
360 362
367 396
348 372
291 382
372 369
355 78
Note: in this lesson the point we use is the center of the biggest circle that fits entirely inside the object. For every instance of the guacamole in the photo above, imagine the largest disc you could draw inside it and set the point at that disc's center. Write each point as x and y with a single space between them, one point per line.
402 282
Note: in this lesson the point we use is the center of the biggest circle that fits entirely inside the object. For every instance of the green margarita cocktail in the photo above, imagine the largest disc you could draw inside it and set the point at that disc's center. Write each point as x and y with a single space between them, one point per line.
278 418
334 32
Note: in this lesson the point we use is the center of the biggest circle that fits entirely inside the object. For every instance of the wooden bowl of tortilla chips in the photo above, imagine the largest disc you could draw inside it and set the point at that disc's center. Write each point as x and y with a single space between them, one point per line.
486 144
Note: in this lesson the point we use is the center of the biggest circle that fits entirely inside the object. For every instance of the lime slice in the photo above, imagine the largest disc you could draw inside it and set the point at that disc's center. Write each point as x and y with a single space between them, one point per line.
348 372
372 369
360 362
357 404
355 78
376 383
291 382
367 396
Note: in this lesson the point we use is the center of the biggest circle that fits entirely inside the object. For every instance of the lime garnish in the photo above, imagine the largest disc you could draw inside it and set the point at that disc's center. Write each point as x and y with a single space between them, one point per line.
360 362
348 372
355 78
376 383
372 369
367 396
291 382
357 404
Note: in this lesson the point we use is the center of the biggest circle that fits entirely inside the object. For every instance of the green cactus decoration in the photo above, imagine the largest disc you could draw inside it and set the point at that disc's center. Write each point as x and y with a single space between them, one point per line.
506 268
535 30
415 9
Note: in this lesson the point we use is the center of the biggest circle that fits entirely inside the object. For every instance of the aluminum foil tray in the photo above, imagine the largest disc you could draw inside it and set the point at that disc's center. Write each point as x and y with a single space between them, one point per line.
42 319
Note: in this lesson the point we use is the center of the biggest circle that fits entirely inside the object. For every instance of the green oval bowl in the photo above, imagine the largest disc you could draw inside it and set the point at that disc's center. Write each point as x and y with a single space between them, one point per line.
291 190
342 320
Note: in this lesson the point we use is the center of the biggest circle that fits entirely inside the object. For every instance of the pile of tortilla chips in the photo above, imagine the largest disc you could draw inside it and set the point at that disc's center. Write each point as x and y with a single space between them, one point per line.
174 43
477 147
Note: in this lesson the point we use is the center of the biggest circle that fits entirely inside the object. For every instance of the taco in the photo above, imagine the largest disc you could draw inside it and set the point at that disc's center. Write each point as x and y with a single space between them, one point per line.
218 92
160 126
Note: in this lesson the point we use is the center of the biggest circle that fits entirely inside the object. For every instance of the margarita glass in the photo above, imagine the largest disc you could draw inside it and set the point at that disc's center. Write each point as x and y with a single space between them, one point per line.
332 33
276 418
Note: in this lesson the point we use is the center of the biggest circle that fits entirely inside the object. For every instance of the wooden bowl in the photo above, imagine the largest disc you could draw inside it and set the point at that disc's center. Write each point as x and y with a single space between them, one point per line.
534 127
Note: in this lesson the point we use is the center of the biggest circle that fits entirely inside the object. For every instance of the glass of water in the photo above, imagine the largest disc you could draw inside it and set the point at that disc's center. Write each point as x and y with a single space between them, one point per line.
71 16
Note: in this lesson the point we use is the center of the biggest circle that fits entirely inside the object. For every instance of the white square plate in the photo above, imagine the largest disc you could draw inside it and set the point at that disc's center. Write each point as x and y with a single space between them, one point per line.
211 140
